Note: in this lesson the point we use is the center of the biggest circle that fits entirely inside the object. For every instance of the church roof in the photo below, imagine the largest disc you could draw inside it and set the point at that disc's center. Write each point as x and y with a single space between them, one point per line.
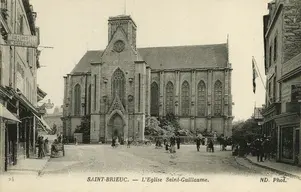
177 57
84 64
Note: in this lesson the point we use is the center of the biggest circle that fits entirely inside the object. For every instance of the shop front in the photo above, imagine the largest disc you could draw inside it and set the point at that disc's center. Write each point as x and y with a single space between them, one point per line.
288 125
8 124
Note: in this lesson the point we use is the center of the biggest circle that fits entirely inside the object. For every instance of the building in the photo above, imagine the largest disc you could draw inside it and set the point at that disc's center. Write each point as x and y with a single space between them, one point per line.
18 84
54 120
118 87
282 45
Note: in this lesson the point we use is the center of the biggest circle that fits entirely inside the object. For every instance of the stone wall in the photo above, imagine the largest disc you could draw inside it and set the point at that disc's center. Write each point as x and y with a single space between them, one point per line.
292 29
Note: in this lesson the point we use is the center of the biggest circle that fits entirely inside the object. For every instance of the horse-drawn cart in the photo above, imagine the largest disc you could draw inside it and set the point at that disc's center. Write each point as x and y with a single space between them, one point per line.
57 150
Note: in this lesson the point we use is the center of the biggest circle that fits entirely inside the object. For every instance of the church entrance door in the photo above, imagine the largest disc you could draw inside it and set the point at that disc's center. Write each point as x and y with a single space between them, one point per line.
117 127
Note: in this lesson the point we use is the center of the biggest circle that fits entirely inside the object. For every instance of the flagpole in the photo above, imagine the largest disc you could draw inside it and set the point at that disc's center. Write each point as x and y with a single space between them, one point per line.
257 69
258 72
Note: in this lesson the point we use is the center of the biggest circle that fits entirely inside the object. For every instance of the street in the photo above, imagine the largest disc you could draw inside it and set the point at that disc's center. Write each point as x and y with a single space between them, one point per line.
83 167
148 160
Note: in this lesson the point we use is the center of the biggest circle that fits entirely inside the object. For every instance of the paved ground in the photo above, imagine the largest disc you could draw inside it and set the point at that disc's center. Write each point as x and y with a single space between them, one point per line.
147 159
71 173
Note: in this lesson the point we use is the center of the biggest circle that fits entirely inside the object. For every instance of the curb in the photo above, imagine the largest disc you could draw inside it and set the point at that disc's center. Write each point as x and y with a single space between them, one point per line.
29 170
56 170
273 169
40 171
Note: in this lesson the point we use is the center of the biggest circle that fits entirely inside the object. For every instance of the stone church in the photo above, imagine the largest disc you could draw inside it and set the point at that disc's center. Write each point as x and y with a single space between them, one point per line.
119 87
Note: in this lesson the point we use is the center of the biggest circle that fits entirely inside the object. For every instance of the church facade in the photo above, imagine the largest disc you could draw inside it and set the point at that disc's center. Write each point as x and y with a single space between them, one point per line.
119 87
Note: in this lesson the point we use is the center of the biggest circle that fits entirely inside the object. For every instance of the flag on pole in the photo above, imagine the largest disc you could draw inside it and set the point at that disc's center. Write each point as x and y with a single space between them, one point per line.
255 74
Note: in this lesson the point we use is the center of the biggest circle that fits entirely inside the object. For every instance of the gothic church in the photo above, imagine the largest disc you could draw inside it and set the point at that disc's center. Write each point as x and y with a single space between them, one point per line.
120 86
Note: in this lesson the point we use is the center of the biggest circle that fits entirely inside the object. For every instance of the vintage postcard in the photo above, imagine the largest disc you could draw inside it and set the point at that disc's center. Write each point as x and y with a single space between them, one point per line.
137 95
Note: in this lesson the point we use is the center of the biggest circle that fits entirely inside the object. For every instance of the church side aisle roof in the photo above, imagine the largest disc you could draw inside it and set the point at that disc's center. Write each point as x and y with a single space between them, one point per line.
84 64
176 57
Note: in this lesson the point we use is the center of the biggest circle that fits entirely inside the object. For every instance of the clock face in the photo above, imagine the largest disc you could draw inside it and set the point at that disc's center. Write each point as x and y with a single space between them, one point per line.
119 46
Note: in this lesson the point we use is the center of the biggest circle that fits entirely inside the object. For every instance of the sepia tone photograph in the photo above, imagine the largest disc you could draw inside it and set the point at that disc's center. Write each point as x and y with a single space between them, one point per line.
136 95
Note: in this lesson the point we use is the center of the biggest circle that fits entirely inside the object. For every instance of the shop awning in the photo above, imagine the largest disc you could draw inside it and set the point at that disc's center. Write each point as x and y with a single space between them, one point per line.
6 114
43 123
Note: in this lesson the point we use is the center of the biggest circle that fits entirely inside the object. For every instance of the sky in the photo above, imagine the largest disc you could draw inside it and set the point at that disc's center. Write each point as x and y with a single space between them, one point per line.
74 26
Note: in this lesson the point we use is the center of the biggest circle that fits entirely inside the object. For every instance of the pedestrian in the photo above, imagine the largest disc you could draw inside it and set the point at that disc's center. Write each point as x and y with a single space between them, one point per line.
75 141
46 147
173 144
248 150
178 141
166 145
266 148
113 143
129 143
42 147
211 145
39 147
198 143
164 141
262 143
258 149
59 138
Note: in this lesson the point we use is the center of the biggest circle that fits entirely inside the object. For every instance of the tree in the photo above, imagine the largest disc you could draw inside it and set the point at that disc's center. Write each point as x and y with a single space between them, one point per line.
245 131
152 127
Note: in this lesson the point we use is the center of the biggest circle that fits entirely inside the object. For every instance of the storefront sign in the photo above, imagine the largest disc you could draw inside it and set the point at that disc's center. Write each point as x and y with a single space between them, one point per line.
22 40
296 93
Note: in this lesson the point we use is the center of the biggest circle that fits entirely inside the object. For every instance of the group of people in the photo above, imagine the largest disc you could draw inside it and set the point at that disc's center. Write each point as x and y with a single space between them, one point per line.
176 140
260 147
43 147
171 145
263 149
209 143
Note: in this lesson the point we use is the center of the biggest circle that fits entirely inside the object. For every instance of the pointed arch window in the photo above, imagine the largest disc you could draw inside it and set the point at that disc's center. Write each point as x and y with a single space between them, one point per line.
169 98
185 99
154 99
218 98
89 100
118 84
201 99
77 99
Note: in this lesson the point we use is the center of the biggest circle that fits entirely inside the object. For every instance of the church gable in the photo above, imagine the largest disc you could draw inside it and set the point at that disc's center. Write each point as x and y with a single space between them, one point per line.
119 46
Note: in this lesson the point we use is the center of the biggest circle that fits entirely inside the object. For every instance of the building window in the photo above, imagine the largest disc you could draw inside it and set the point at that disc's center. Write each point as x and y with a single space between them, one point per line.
118 82
21 24
270 90
89 100
274 89
28 57
12 13
1 68
154 99
185 99
270 56
95 89
218 98
4 4
77 99
201 99
275 48
169 98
